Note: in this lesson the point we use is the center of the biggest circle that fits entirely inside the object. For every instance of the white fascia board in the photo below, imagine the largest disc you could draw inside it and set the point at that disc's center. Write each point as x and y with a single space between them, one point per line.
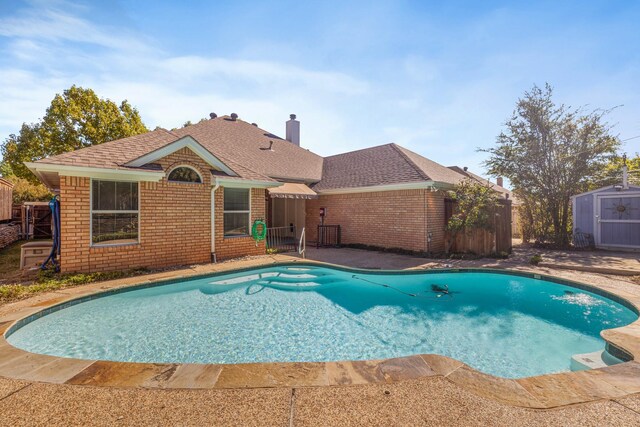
390 187
234 183
184 142
98 173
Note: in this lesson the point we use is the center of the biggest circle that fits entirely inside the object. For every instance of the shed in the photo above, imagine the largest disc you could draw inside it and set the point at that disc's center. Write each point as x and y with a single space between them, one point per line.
608 217
6 197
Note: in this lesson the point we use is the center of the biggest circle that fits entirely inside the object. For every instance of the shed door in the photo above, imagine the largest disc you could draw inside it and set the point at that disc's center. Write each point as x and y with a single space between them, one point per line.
618 219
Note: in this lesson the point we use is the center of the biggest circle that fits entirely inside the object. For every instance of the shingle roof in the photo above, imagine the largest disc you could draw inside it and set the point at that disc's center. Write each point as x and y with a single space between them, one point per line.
434 171
382 165
244 148
238 144
114 154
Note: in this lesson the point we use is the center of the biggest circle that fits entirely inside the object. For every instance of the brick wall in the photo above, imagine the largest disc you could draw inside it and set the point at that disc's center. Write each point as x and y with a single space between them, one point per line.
391 219
9 233
175 224
239 246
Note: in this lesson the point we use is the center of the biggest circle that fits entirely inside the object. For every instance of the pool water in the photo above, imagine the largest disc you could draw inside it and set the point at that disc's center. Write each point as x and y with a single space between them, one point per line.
505 325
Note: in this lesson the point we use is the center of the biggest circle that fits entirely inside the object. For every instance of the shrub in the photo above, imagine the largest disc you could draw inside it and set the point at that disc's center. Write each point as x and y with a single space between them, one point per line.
535 260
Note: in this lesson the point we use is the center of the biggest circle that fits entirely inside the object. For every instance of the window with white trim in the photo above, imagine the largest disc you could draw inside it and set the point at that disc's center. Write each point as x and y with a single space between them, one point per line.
237 211
114 212
184 174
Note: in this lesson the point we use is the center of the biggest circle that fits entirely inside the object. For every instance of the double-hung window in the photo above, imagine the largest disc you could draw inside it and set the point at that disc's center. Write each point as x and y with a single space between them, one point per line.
114 212
237 209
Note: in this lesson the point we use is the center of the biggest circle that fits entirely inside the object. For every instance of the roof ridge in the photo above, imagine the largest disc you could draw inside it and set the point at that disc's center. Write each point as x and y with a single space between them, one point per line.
459 170
168 131
404 155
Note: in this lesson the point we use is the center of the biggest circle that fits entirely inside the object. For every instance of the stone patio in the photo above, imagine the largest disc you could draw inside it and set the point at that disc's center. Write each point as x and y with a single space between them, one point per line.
605 262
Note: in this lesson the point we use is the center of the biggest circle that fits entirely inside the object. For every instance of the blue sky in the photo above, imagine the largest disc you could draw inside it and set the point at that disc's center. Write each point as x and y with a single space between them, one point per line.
437 77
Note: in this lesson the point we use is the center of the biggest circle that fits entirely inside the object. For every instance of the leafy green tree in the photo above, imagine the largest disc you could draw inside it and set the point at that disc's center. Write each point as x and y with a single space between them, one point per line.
76 119
611 173
550 152
475 208
26 191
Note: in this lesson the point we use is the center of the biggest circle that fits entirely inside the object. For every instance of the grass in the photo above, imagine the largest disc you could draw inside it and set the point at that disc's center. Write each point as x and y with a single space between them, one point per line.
25 284
10 261
48 281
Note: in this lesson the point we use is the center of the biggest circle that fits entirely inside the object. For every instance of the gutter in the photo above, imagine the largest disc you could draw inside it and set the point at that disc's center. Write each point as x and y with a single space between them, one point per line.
421 185
245 183
39 169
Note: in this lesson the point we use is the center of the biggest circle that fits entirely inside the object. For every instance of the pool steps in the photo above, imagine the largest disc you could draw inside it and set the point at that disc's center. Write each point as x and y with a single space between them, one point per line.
284 278
595 360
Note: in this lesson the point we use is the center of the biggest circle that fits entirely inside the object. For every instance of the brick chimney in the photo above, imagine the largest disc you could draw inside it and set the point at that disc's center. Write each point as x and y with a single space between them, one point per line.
499 181
293 130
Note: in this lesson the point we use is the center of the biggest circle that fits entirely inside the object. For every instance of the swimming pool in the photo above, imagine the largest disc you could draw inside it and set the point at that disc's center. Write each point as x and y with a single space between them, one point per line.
502 324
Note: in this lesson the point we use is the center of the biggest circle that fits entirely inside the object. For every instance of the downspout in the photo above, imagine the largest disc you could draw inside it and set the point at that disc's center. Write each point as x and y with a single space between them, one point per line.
426 222
213 221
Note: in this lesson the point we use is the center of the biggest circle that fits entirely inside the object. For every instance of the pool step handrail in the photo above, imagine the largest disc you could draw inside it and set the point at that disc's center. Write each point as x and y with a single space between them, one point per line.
302 246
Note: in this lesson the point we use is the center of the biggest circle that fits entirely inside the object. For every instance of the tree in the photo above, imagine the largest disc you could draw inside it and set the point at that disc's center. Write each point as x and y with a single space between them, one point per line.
23 189
76 119
26 191
611 173
475 208
190 123
550 152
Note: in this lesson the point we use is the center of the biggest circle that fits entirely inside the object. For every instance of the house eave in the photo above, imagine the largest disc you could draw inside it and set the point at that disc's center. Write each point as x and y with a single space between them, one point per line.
422 185
245 183
44 170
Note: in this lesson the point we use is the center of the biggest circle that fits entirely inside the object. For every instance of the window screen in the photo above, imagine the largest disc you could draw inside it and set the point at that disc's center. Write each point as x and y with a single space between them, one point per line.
236 211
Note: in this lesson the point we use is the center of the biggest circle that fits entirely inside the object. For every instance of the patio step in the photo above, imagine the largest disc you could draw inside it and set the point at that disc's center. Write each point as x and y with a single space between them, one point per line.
595 360
300 278
319 281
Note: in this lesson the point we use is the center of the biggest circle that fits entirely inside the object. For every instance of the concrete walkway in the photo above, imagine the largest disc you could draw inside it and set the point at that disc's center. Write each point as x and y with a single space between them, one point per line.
429 402
605 262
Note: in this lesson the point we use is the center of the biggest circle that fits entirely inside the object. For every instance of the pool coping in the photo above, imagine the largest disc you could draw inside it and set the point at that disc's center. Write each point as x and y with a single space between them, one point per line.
544 391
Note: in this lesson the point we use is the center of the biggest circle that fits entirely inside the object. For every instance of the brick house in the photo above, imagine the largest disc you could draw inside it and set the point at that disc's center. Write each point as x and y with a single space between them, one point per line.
191 195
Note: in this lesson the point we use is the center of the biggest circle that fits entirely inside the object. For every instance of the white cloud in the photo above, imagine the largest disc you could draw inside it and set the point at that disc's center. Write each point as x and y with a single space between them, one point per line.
55 23
167 90
442 97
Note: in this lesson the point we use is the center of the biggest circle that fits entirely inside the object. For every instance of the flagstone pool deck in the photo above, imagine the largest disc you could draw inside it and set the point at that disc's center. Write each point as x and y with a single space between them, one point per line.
414 390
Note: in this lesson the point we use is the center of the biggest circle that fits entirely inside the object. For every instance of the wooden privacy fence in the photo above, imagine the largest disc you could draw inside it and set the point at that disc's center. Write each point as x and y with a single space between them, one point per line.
6 196
34 218
483 242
